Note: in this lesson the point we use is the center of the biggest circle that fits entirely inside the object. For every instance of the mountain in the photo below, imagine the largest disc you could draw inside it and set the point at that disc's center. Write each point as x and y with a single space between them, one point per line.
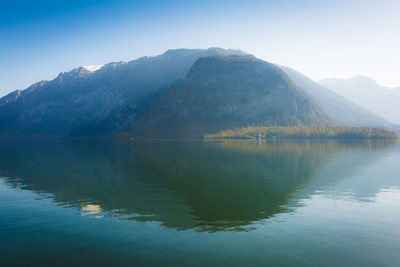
97 100
342 110
223 92
367 93
181 93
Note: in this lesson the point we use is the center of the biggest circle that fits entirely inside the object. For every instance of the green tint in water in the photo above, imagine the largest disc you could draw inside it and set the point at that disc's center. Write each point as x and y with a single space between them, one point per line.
194 203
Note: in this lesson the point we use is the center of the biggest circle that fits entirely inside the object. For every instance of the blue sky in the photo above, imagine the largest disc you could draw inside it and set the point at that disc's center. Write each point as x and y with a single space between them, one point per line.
39 39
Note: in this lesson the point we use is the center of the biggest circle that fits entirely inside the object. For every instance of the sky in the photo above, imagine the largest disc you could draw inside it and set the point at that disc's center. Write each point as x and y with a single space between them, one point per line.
321 39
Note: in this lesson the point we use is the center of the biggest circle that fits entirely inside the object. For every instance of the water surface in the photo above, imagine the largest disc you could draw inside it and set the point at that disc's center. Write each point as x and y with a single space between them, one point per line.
192 203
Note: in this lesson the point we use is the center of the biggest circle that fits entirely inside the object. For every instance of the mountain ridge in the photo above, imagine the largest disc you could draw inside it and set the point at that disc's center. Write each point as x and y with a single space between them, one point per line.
106 101
222 92
368 94
343 110
111 99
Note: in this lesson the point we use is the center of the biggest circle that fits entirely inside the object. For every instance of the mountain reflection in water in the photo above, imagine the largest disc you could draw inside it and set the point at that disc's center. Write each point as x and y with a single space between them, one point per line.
205 186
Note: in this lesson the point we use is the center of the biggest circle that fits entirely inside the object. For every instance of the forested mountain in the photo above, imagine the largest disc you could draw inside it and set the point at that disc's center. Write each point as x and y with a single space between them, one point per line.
367 93
223 92
181 93
86 101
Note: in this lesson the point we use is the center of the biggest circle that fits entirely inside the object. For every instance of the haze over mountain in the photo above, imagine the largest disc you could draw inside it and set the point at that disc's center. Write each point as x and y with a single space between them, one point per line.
367 93
88 102
181 93
338 107
224 92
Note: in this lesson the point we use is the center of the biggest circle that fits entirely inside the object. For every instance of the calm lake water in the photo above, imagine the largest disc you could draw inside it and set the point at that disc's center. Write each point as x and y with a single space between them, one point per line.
195 203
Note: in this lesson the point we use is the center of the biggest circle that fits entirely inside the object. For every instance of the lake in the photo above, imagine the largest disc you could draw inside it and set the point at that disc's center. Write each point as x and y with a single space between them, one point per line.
196 203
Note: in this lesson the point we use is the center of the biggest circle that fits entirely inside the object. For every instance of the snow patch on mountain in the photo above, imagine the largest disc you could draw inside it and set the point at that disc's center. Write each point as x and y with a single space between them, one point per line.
92 68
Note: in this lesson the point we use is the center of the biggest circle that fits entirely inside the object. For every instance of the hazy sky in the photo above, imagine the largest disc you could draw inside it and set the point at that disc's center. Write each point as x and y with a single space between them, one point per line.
39 39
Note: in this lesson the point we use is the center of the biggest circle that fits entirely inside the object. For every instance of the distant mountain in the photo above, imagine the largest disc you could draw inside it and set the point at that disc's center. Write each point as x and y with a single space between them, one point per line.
181 93
97 100
342 110
369 94
223 92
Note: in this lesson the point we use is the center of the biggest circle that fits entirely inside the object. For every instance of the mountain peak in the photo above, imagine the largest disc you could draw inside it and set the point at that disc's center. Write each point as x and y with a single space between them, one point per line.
113 65
211 50
11 97
224 92
79 72
367 93
183 92
360 80
92 68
